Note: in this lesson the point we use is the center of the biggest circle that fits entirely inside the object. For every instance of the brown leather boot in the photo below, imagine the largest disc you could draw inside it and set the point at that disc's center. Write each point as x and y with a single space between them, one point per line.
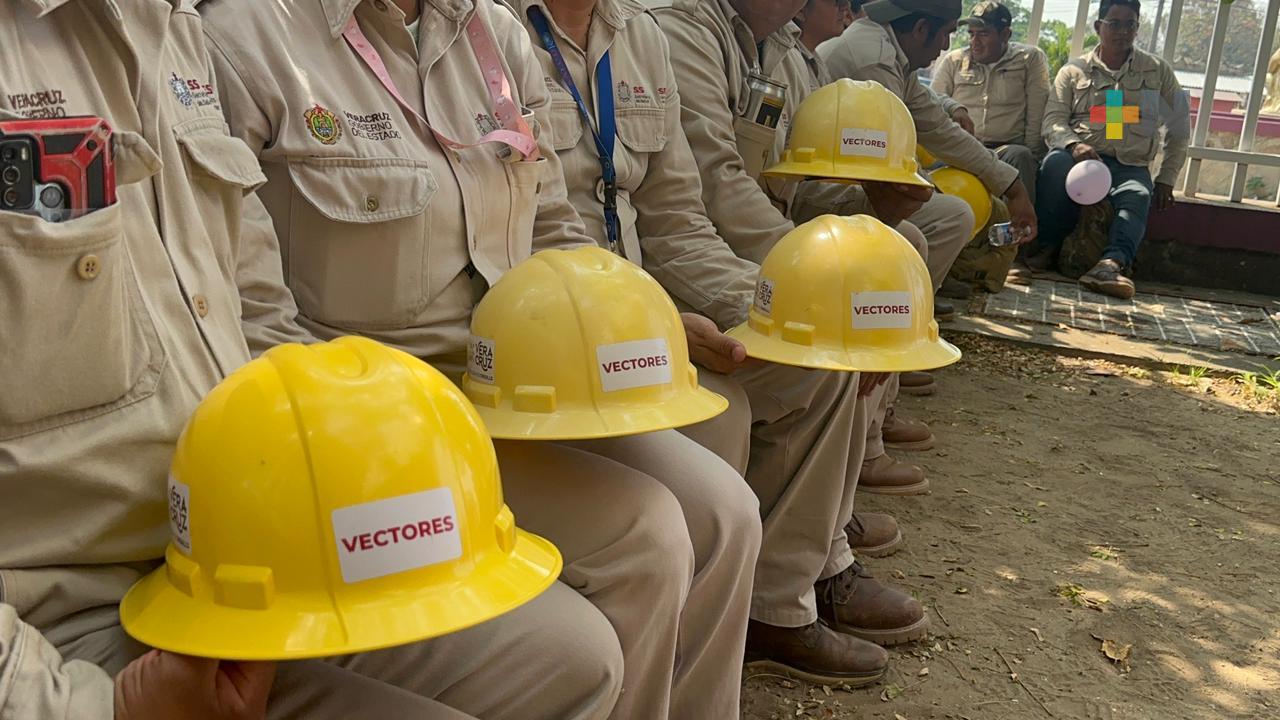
873 534
904 434
885 476
815 653
916 383
856 603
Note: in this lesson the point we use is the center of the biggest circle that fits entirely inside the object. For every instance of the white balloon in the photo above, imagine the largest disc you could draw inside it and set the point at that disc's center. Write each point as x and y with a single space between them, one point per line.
1089 182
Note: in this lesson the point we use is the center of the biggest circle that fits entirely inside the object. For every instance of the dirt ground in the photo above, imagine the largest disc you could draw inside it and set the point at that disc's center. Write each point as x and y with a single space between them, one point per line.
1079 505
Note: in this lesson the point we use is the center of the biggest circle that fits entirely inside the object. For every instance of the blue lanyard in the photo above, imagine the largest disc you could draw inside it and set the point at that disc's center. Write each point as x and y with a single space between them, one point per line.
606 135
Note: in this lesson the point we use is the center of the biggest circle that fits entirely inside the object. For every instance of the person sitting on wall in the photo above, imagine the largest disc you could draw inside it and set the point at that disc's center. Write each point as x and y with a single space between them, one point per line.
1005 86
1109 105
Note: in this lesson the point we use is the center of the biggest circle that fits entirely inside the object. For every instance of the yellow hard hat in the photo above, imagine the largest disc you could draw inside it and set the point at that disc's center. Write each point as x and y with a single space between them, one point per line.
926 158
333 499
845 293
966 186
577 344
852 131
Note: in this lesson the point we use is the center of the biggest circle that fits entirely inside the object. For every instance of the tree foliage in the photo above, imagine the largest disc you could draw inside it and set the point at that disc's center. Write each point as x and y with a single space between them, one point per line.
1195 34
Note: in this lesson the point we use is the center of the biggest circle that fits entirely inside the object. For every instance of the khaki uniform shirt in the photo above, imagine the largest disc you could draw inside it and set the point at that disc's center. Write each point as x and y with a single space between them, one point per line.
1006 98
383 232
664 224
713 51
869 51
112 325
1148 83
819 75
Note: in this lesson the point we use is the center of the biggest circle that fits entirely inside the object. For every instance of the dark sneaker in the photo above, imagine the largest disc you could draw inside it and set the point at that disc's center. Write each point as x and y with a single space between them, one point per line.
1107 277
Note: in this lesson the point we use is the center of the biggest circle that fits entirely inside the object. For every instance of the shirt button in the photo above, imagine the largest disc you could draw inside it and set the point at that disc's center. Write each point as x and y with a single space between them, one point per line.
371 203
202 305
88 267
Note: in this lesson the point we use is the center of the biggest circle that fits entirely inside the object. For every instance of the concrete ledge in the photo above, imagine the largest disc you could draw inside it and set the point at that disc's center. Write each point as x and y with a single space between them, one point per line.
1084 343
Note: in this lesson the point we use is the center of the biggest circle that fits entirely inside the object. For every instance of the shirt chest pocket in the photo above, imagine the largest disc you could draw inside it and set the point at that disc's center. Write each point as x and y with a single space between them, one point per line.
222 170
566 125
1009 86
1087 92
76 340
355 245
642 132
1142 90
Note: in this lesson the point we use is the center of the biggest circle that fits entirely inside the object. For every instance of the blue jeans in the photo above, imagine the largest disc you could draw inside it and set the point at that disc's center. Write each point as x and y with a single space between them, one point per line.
1058 213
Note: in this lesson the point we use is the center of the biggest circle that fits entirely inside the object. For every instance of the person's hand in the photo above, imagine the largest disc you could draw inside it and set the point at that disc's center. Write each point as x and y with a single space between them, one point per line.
1084 151
1163 196
1022 213
895 202
961 116
869 381
711 348
166 686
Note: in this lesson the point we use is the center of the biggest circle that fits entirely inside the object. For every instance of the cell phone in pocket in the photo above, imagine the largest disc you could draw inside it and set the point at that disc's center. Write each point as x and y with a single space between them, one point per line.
58 168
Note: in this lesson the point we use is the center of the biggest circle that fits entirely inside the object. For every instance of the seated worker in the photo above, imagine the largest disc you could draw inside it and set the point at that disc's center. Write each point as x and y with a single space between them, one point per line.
788 429
402 186
1005 86
736 121
735 131
896 39
819 21
1114 70
115 324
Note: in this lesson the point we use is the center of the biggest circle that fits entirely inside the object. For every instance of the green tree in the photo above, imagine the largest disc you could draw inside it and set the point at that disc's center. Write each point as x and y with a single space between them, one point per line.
1055 35
1195 34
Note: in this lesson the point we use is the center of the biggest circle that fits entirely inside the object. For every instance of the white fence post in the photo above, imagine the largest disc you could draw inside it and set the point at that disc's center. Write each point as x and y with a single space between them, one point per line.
1033 24
1171 32
1248 133
1205 114
1082 29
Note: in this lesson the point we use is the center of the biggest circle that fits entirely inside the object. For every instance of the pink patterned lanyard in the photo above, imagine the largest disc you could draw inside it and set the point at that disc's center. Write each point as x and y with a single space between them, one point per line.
515 131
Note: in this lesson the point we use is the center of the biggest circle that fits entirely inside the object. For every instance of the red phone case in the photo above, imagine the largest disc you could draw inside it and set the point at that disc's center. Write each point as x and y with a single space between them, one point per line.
74 152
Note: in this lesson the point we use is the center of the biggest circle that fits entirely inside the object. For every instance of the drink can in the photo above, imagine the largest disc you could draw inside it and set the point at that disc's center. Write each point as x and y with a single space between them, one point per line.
767 100
1002 235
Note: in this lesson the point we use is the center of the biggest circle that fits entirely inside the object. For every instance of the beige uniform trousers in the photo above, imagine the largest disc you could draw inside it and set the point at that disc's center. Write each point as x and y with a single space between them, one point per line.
791 431
675 580
553 658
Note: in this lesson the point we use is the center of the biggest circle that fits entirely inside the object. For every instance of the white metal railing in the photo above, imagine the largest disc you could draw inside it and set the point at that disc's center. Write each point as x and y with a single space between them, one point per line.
1244 155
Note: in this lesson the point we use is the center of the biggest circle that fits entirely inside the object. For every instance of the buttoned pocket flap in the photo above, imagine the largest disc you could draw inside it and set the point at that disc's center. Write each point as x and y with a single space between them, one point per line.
364 190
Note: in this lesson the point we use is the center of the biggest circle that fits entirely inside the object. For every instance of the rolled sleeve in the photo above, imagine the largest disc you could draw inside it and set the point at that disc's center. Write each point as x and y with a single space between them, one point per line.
37 684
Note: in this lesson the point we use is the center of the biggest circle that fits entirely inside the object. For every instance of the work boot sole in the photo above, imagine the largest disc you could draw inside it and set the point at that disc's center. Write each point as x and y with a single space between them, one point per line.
892 636
884 550
926 444
814 676
920 488
1115 289
918 390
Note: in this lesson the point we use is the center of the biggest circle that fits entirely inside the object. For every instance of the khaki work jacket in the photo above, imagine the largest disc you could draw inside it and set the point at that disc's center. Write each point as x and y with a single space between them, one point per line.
713 51
1006 98
869 51
1148 83
383 232
113 325
664 226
